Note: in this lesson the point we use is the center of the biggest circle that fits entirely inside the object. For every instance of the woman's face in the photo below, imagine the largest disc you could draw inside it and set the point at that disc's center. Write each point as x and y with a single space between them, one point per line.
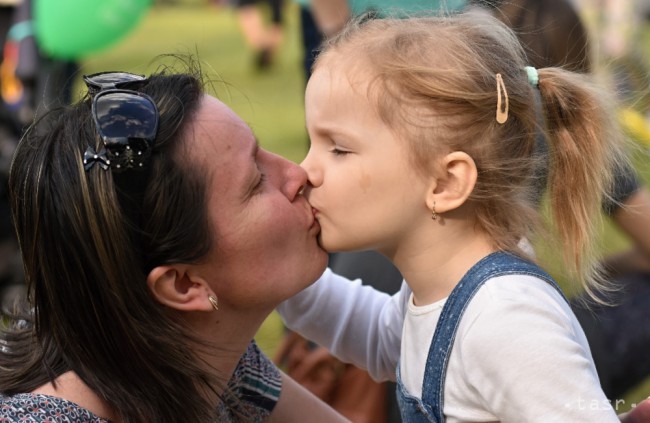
366 191
265 234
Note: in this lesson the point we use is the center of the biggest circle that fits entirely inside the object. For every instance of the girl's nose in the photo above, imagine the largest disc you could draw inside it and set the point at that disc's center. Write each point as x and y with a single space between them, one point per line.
314 175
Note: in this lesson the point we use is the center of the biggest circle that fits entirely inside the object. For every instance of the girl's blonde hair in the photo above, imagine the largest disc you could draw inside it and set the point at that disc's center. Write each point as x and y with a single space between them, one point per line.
433 81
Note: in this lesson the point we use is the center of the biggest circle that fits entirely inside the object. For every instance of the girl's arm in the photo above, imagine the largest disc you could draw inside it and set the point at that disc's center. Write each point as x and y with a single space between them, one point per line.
357 323
330 15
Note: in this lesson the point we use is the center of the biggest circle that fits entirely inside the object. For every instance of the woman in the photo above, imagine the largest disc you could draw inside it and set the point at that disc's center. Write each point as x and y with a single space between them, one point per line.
149 221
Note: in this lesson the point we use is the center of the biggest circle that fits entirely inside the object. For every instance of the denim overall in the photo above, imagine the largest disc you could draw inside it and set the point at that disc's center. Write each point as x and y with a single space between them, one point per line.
430 408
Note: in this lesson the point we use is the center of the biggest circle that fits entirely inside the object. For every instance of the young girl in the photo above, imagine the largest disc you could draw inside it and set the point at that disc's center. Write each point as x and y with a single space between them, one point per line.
423 136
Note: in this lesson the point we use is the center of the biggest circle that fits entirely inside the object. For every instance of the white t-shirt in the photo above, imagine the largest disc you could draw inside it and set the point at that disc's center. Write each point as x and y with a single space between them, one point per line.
519 354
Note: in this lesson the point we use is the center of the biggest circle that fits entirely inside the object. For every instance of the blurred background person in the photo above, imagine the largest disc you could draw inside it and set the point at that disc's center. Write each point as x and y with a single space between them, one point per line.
39 63
618 28
31 82
264 38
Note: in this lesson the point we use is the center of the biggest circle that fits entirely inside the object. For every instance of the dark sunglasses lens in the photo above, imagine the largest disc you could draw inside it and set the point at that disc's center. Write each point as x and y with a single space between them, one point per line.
109 79
125 115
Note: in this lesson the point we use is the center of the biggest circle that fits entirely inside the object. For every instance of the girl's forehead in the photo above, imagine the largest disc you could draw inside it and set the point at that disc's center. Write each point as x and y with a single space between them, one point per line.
344 74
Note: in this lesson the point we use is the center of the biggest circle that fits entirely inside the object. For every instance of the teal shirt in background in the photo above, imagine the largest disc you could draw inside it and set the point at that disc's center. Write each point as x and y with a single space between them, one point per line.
408 7
392 7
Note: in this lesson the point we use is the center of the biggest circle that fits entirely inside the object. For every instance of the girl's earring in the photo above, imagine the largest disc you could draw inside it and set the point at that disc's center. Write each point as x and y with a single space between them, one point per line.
434 215
214 301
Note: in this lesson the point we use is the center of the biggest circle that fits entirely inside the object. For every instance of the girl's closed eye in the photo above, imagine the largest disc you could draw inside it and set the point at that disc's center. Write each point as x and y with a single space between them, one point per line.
338 152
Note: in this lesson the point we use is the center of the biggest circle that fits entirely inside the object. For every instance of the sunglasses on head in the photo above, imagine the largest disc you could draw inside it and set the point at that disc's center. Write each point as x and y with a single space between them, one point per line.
125 119
127 123
113 80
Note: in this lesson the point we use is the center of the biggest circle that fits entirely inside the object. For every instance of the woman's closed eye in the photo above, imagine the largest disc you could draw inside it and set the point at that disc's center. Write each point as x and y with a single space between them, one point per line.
258 186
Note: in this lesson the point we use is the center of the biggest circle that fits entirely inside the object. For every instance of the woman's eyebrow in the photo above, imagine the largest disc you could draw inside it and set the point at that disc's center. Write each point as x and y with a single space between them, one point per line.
252 178
256 148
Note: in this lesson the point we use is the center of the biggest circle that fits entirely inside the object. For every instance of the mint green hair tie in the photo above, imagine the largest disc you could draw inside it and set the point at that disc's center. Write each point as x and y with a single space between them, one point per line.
533 76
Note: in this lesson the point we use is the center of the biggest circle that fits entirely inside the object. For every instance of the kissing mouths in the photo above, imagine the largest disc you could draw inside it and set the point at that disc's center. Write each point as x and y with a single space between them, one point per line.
315 222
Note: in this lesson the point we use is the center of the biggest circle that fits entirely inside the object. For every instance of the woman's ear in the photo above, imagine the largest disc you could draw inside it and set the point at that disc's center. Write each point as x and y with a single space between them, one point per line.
456 182
175 287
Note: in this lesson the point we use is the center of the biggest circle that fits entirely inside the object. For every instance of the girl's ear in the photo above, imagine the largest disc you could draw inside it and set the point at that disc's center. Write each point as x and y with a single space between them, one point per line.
175 287
456 182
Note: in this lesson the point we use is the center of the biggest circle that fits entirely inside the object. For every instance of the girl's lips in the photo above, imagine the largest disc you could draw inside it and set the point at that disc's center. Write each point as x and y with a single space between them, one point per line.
315 223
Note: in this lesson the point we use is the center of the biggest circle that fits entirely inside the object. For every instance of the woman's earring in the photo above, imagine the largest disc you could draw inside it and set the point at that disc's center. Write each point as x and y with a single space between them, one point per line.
214 301
434 215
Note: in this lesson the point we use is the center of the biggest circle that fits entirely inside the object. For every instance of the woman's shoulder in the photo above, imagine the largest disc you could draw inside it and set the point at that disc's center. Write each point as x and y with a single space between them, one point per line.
40 407
253 390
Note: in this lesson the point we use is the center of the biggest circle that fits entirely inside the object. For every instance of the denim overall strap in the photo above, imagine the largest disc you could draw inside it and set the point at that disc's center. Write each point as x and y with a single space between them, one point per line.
493 265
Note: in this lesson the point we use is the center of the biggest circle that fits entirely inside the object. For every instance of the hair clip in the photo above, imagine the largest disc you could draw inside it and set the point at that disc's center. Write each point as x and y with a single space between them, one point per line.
502 106
132 156
91 157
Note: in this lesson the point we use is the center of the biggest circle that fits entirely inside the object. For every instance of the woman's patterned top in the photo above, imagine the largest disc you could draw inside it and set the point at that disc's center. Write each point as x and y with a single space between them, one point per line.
252 393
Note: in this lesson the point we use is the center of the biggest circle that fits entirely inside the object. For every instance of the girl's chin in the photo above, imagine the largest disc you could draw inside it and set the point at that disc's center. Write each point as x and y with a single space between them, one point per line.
328 245
332 247
337 245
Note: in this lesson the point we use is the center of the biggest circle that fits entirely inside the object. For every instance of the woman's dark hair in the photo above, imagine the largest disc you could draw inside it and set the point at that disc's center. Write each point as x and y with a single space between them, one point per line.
86 263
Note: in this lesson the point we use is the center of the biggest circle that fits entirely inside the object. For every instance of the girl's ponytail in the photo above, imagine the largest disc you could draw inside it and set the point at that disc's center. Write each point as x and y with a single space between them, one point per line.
585 148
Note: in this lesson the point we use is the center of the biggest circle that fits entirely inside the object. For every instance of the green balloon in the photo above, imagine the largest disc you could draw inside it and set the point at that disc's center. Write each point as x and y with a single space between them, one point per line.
70 29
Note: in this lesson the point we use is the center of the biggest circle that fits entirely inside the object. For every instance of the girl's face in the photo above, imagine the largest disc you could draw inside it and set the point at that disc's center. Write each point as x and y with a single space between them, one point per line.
365 191
265 247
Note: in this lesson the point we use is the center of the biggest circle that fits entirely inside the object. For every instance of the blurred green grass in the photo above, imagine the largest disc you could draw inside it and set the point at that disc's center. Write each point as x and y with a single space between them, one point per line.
271 101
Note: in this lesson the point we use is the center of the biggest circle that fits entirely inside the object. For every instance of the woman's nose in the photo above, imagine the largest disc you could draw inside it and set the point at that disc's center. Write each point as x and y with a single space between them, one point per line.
294 178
